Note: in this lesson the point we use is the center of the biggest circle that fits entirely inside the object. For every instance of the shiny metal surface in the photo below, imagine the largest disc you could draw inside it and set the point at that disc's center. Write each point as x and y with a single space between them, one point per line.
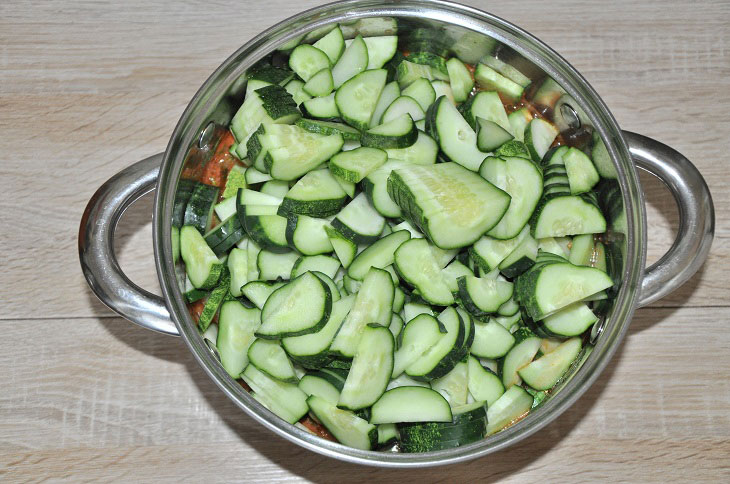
696 216
96 248
216 102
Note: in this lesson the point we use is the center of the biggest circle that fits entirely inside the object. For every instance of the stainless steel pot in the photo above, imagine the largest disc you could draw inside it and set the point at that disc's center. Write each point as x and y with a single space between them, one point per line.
214 104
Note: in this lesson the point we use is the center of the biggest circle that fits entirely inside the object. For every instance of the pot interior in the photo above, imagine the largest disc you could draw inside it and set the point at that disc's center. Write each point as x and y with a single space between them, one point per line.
555 92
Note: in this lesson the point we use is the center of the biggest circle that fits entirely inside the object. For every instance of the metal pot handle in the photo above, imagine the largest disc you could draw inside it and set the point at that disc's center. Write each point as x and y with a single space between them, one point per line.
696 216
96 248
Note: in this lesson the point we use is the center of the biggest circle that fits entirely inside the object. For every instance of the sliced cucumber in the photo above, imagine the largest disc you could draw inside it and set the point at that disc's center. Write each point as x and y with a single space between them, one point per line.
307 60
354 165
236 327
460 79
311 350
295 87
419 335
519 120
454 385
321 107
371 368
373 304
582 175
508 409
482 296
422 91
358 97
539 135
410 404
489 79
544 373
441 358
316 194
562 215
352 62
344 248
380 254
293 151
506 70
457 139
484 385
345 426
409 72
320 84
522 180
274 266
201 264
299 307
396 133
489 252
490 135
375 186
359 221
285 400
380 50
520 259
313 384
308 235
315 263
269 357
572 320
521 354
390 93
447 202
332 44
422 152
415 262
328 128
491 340
403 105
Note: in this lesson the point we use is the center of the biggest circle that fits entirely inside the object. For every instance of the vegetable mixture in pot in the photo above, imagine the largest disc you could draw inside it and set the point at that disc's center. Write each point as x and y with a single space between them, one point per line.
393 248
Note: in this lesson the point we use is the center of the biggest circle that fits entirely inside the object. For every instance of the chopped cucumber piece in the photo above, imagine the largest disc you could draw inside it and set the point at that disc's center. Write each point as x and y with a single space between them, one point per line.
447 203
410 404
354 165
460 79
299 307
358 97
352 62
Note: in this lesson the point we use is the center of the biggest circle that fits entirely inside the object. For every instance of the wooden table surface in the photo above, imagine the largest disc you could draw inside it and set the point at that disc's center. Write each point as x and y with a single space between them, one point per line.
87 88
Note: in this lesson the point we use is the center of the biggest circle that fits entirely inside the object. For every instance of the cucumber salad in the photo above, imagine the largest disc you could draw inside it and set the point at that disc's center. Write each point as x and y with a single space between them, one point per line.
393 248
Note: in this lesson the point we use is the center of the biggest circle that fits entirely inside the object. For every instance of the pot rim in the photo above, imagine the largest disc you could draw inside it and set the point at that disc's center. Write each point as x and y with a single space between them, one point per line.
214 88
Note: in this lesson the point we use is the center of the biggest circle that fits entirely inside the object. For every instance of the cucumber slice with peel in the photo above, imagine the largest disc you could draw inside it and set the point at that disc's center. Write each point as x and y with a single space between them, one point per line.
345 426
490 135
415 262
307 60
457 139
371 368
546 371
352 62
399 132
514 404
270 358
299 307
357 98
410 404
320 84
447 202
539 135
354 165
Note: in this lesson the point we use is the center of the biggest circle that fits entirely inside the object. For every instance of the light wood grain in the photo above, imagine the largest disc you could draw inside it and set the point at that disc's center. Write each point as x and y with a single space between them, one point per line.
87 88
104 399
